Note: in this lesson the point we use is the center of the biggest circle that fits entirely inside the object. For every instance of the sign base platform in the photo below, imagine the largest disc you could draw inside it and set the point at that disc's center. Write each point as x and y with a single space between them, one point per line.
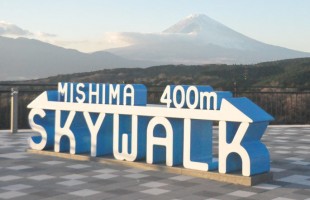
234 178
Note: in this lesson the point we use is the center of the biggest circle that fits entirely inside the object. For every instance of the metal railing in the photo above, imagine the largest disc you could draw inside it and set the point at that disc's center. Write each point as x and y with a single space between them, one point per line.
18 112
286 107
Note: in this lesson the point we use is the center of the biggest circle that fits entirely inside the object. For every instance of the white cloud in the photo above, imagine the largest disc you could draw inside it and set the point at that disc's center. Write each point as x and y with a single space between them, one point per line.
81 45
106 41
131 38
42 34
121 39
8 29
84 44
11 30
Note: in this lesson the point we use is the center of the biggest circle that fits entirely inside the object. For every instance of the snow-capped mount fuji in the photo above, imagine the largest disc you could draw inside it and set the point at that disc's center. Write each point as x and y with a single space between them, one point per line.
209 31
198 39
194 24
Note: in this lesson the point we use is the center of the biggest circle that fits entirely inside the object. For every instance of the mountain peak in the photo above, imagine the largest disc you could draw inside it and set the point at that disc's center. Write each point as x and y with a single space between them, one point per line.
198 38
197 17
193 23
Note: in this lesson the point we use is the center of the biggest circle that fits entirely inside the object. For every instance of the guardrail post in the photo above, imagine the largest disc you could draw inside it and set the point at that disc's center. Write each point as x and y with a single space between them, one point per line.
235 89
14 110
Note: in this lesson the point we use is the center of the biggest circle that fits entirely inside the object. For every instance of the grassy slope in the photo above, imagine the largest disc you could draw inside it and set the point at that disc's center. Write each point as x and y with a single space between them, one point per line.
284 73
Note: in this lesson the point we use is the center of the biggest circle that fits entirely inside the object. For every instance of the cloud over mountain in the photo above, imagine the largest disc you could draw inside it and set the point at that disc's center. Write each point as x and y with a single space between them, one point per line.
132 38
8 29
198 39
11 30
24 58
197 28
106 40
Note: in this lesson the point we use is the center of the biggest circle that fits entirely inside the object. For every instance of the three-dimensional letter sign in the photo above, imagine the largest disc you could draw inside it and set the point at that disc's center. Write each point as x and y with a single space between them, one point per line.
115 119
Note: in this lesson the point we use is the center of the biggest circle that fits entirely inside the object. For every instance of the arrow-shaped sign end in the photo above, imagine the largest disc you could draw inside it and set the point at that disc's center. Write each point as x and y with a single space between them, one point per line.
244 110
40 100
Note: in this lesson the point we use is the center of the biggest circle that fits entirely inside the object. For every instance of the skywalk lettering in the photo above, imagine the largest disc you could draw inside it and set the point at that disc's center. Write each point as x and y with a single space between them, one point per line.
115 119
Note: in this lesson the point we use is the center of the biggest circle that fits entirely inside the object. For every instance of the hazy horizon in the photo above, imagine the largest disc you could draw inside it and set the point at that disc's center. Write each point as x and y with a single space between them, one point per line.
96 25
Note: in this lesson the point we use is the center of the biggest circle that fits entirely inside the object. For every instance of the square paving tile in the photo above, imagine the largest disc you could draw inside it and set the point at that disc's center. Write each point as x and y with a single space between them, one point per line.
41 177
240 193
9 178
71 182
137 176
153 184
273 169
107 170
206 194
11 194
78 166
53 162
294 158
105 176
84 193
120 191
16 187
155 191
266 186
14 155
181 178
74 176
19 167
134 170
282 198
297 179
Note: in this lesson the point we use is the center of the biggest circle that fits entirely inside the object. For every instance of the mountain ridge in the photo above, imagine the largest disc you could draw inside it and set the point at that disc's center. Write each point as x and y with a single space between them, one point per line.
195 40
290 73
199 39
24 58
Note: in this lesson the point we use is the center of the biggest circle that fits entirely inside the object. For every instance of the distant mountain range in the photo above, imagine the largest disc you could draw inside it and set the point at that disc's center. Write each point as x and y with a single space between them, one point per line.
197 39
23 58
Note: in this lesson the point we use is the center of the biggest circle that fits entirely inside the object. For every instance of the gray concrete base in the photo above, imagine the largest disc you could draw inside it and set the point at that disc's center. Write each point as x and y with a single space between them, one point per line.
228 178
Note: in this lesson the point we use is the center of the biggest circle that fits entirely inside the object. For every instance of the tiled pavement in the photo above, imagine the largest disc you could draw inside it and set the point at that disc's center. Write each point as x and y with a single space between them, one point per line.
30 176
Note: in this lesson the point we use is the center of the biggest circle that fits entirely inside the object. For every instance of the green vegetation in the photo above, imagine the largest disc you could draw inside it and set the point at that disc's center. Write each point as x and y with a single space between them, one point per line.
292 73
280 87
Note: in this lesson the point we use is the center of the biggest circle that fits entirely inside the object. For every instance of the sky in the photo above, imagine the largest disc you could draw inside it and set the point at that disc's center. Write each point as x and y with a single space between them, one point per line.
90 25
